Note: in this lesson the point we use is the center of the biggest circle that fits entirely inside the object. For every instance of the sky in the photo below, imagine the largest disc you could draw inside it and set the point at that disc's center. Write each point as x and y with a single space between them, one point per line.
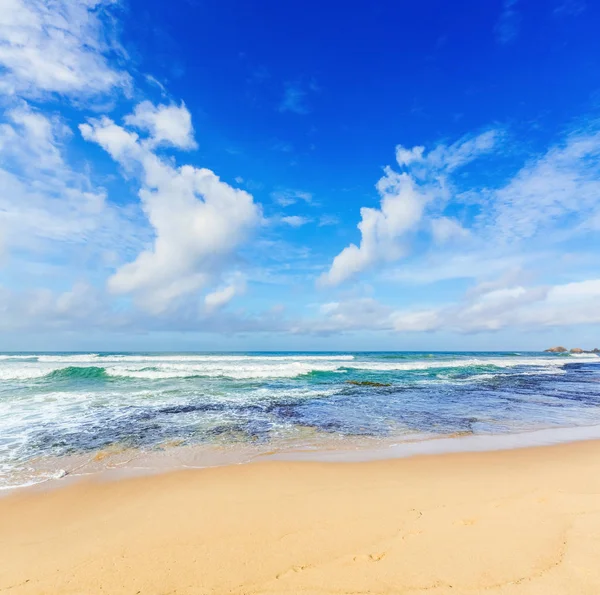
232 175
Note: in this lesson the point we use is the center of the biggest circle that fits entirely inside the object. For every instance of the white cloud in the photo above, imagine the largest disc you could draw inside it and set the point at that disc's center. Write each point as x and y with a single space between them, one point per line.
167 124
347 315
448 158
199 221
490 307
405 197
547 193
288 196
552 199
295 220
122 145
31 139
45 309
381 229
57 46
222 296
514 306
219 298
194 221
326 220
470 264
446 229
46 207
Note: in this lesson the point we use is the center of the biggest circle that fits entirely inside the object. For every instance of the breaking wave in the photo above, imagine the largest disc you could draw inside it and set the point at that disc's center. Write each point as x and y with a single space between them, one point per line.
251 367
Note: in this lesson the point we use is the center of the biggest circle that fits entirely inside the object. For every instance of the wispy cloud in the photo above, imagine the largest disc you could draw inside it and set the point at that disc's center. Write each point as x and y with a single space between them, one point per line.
282 147
294 99
569 7
46 206
507 27
295 220
223 295
286 197
59 47
511 306
326 220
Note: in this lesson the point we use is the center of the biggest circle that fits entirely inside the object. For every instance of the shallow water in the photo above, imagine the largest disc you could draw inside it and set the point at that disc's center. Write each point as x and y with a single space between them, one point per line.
70 407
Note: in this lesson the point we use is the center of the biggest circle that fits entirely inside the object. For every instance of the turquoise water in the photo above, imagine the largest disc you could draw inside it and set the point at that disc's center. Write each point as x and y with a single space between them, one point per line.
61 405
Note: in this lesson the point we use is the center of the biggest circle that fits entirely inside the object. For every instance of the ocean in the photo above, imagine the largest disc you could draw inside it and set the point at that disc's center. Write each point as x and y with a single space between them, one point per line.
70 413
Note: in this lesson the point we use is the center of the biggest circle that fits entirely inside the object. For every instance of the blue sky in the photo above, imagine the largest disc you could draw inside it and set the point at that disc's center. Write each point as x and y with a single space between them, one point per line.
274 175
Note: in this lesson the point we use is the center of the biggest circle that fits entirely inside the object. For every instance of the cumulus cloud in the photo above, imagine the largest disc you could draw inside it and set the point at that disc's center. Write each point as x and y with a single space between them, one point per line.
553 198
57 46
166 124
180 239
401 207
199 221
404 198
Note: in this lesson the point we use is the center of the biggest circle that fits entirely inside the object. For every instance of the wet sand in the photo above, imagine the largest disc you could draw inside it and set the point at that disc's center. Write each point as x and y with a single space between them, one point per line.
520 521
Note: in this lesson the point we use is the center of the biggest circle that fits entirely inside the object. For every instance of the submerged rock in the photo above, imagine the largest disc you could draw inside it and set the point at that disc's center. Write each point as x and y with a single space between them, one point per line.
558 349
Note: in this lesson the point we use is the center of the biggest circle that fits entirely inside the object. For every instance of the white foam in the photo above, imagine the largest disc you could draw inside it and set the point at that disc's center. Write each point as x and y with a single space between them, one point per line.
23 372
74 358
255 366
498 362
224 370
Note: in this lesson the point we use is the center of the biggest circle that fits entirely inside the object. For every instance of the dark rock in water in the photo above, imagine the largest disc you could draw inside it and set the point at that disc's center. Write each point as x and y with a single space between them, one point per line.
577 350
595 350
558 349
366 383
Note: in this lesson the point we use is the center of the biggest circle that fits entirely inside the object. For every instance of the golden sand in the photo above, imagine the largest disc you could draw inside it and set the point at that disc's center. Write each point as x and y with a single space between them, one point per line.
522 521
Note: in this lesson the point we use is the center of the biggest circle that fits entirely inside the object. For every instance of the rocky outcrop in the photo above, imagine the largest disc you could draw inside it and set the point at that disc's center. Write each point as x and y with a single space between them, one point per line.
576 350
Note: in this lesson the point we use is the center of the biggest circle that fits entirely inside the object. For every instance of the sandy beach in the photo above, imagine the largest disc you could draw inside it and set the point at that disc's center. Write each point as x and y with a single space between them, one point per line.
521 521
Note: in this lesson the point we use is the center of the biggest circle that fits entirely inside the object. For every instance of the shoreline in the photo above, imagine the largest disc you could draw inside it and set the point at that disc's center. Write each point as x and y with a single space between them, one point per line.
117 465
513 521
452 445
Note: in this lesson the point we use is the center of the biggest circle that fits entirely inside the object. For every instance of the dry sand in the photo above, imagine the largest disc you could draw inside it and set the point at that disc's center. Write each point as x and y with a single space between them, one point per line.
522 521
